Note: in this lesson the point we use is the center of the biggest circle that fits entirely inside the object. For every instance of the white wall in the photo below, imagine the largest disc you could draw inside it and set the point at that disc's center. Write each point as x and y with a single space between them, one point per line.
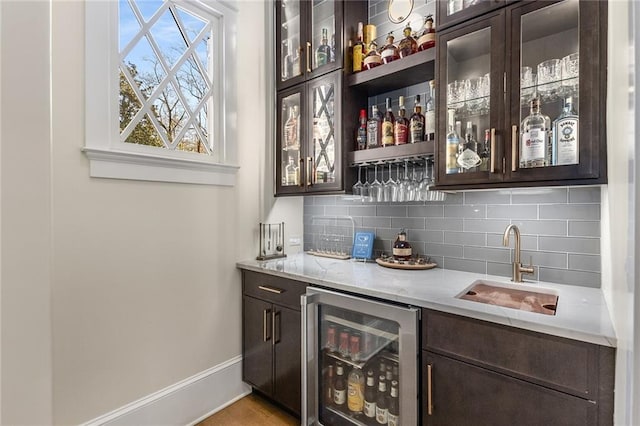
112 290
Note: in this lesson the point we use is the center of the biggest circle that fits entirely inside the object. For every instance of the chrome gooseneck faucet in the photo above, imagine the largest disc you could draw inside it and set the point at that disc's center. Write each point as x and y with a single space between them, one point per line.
518 269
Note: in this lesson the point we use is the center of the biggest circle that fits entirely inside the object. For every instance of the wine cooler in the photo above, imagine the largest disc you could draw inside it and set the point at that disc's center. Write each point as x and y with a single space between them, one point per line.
359 361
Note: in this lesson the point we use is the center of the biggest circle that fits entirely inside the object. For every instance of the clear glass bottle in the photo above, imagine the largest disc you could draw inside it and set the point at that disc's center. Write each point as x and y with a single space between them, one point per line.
401 126
485 154
388 124
389 51
430 113
287 61
355 391
534 138
469 159
361 134
566 147
416 123
453 143
401 248
358 50
323 52
291 172
427 38
291 129
408 45
373 58
374 128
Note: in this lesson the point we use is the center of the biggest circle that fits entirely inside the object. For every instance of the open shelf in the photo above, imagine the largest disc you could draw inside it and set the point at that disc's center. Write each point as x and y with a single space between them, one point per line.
413 69
391 153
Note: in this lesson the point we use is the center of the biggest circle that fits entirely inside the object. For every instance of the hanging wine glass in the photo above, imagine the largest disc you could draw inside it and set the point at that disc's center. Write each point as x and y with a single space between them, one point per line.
388 187
357 187
376 187
366 187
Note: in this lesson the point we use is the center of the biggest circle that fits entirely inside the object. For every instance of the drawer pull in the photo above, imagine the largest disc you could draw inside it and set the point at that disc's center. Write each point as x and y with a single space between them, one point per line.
271 289
429 390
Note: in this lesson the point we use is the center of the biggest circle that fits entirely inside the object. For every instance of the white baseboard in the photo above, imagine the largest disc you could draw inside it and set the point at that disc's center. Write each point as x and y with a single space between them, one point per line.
184 403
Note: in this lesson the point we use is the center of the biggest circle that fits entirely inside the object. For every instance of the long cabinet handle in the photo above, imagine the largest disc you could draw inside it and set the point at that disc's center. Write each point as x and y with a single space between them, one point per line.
309 171
271 289
514 146
429 389
493 150
266 315
299 172
308 57
276 326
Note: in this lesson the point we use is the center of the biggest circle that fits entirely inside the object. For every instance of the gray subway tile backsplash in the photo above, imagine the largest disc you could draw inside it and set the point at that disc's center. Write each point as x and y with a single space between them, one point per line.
560 229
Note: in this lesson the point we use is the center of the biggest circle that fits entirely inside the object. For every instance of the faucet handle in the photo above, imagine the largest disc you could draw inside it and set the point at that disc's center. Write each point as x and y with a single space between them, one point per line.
528 269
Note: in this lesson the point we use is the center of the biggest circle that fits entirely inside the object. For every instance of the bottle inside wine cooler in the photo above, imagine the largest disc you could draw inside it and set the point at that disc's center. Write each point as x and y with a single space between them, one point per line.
328 383
355 392
393 412
339 387
370 394
382 410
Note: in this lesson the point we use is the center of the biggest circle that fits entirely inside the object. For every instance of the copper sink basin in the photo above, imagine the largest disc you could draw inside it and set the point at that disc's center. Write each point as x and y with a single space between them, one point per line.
514 296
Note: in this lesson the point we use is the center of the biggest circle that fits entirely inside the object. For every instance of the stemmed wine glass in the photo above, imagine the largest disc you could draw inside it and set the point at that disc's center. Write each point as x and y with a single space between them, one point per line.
376 191
388 187
357 187
423 186
412 185
395 189
366 187
403 190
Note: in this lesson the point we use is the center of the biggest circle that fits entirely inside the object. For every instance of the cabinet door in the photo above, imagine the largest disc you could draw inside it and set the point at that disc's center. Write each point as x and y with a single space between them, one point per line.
456 393
556 59
324 42
290 42
470 102
324 149
290 141
257 336
287 345
451 12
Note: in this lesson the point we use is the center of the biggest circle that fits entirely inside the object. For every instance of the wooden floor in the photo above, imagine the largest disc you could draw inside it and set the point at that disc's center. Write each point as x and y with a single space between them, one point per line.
249 411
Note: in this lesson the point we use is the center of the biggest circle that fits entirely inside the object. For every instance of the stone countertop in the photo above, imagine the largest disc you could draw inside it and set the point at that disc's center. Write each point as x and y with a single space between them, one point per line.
582 313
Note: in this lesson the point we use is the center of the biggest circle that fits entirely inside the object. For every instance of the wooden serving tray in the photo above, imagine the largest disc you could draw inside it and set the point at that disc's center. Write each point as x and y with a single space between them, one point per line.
402 264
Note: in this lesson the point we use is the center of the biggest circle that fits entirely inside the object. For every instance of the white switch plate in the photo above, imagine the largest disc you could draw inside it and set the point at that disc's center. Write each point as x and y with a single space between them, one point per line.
294 241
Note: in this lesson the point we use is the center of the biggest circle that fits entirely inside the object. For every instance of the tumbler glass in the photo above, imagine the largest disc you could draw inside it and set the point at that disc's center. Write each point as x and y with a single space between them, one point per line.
549 77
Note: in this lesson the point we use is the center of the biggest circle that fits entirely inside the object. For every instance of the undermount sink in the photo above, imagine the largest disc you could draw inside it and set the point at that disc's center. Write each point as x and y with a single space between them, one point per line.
516 296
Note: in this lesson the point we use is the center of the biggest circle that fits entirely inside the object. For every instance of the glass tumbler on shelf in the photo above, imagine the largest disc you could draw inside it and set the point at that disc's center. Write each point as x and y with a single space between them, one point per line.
570 74
527 85
455 94
473 94
549 79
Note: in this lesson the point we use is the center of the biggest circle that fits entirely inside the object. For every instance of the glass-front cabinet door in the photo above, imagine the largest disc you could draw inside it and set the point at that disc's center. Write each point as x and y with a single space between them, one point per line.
451 12
308 39
555 96
471 99
290 160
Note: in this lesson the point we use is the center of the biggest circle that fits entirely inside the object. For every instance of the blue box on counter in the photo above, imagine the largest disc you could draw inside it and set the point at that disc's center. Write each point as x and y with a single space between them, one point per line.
363 245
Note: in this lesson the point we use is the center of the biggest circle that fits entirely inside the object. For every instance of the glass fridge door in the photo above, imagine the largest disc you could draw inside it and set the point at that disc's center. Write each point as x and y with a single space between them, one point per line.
363 361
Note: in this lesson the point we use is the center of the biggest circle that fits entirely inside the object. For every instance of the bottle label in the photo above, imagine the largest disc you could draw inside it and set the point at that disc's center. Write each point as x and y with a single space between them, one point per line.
452 154
382 415
533 145
339 396
357 58
387 133
372 134
355 399
402 251
468 159
429 38
372 60
416 129
566 136
387 55
401 133
392 420
370 409
321 58
430 122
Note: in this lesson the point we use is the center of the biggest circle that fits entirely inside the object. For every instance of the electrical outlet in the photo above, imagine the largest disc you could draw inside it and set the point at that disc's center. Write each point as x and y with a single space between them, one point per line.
294 241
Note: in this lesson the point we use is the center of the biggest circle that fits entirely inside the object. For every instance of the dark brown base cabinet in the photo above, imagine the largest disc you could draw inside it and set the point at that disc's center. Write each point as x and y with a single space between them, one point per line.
480 373
271 338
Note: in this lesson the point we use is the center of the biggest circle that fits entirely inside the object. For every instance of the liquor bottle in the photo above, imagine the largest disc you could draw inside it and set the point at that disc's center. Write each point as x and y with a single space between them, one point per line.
469 159
453 142
355 393
373 58
361 134
485 154
323 51
401 126
287 61
430 113
339 387
332 339
401 251
408 45
427 38
387 125
382 411
329 384
374 128
358 51
389 51
388 377
332 52
291 172
416 123
370 34
393 414
565 135
291 129
534 138
295 63
370 398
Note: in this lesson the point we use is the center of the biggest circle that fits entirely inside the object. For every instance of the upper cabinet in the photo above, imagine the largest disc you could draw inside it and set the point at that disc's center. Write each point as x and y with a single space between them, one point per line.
517 105
308 39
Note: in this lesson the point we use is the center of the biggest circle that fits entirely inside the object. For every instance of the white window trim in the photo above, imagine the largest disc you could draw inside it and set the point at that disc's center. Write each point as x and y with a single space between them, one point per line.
110 158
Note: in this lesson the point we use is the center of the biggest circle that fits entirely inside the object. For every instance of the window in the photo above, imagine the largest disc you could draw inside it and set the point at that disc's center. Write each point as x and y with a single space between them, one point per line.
160 90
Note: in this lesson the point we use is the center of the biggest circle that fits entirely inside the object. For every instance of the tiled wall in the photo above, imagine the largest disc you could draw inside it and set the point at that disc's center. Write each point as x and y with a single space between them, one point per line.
560 229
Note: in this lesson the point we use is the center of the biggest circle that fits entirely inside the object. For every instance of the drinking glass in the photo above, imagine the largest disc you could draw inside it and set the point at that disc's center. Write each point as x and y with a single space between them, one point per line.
549 77
375 191
357 187
365 191
486 93
388 187
403 193
455 93
412 185
395 187
570 73
423 185
527 85
473 93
